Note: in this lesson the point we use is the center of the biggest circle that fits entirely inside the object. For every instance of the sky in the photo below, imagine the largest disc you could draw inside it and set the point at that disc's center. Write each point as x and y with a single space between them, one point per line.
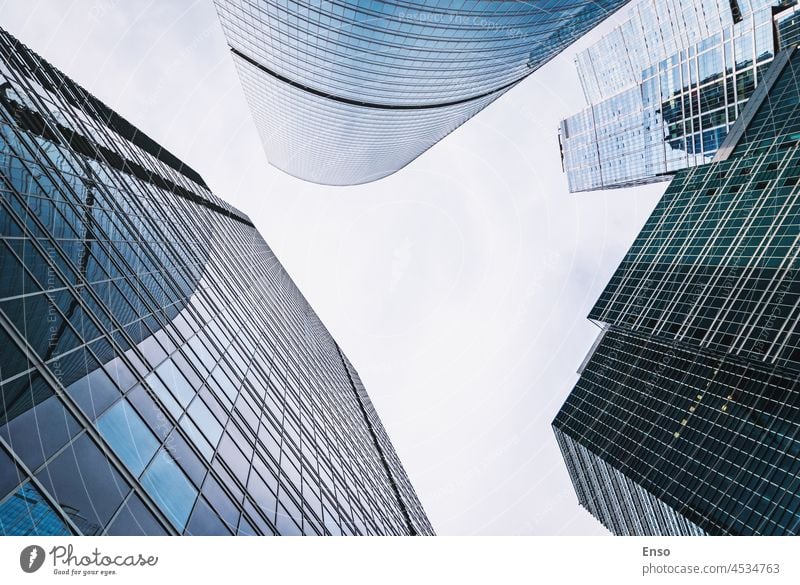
458 287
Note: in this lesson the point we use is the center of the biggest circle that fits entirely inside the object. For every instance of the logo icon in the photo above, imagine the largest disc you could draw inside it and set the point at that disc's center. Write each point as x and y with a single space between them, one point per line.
31 558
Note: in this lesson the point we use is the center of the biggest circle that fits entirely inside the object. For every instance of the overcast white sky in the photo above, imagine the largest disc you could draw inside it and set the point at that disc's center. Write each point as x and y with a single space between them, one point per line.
458 287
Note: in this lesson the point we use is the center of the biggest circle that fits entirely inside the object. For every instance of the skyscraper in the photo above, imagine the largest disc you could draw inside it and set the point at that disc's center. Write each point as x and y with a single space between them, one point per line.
665 87
686 417
160 373
349 92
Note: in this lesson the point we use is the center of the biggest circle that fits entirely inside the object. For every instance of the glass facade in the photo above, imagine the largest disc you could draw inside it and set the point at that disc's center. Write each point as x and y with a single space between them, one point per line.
160 371
686 417
349 92
664 102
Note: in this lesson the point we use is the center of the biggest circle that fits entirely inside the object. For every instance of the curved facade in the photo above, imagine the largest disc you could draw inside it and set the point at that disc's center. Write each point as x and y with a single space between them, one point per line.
349 92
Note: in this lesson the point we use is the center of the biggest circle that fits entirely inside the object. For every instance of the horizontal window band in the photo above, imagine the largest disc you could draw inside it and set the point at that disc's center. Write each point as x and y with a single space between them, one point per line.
364 104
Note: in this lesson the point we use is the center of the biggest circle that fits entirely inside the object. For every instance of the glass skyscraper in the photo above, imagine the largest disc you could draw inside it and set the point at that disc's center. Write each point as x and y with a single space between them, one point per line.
160 373
686 417
666 86
346 92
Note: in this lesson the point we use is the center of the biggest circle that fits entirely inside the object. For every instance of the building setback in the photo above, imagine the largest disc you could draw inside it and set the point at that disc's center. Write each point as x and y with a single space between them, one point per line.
160 372
348 92
686 417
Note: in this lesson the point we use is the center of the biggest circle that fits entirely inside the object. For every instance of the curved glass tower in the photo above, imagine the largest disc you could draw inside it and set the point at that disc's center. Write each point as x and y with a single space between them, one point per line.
349 92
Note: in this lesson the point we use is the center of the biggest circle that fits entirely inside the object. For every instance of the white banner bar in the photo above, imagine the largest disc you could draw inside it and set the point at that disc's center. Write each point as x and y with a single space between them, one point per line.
229 560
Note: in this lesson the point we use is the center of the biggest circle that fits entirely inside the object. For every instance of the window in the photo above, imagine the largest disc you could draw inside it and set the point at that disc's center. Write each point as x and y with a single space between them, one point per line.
170 488
128 436
176 382
40 431
204 419
27 513
205 521
94 393
134 519
9 474
84 482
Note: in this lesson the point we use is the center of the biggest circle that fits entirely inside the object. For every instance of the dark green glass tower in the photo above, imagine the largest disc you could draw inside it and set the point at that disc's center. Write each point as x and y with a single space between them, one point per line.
686 417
